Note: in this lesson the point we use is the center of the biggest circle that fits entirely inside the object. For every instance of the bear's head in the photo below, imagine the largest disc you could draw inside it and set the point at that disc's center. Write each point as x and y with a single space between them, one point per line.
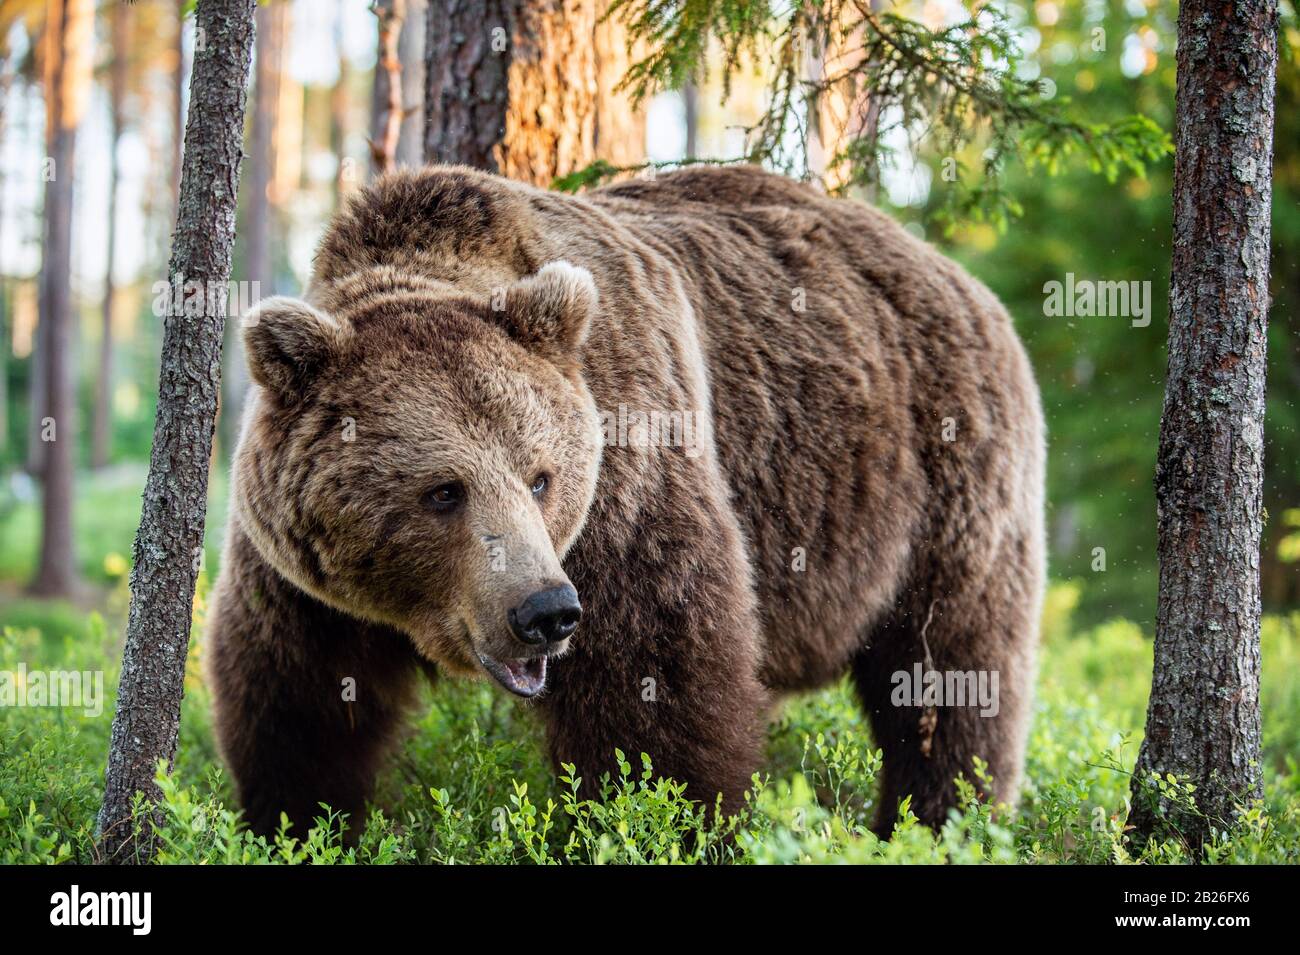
423 458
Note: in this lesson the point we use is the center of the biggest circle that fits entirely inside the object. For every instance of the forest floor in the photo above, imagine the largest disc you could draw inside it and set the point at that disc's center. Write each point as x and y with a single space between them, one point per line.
471 782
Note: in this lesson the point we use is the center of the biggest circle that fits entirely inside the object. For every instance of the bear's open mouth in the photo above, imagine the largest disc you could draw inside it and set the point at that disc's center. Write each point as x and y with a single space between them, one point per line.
522 677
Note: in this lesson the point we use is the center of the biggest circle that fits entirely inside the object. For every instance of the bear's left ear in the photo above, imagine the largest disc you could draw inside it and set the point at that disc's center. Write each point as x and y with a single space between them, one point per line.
288 342
552 310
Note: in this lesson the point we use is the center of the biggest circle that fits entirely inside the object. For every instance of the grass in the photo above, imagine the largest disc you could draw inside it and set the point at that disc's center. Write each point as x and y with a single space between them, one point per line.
471 783
105 518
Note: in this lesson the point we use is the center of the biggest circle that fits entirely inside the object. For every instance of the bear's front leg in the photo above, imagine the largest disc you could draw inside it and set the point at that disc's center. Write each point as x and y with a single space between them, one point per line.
666 659
306 700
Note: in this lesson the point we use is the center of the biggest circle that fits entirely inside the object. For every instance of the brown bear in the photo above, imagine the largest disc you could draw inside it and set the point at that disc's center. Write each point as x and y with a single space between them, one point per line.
653 458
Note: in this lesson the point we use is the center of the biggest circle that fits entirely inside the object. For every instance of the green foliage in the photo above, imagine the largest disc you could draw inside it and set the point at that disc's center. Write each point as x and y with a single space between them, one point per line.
472 783
105 517
678 35
602 170
1102 378
952 87
1288 548
198 829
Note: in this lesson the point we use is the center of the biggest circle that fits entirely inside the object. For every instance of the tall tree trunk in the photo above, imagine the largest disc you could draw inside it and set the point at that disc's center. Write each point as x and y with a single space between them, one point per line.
35 453
386 101
258 215
410 49
67 70
620 131
1203 722
843 111
527 88
169 544
102 427
38 392
178 107
339 114
510 86
691 107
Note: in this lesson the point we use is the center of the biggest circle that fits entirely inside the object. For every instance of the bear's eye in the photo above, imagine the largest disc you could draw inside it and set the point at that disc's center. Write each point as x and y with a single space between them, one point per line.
444 497
539 484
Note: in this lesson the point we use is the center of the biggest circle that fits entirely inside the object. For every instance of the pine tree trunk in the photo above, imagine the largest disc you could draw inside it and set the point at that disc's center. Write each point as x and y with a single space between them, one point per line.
37 393
410 49
691 108
843 112
386 96
66 70
258 223
510 86
169 544
102 425
178 108
1203 722
339 115
620 125
527 88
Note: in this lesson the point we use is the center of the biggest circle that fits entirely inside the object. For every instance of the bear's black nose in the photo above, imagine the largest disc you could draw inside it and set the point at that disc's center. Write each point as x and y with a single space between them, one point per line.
547 616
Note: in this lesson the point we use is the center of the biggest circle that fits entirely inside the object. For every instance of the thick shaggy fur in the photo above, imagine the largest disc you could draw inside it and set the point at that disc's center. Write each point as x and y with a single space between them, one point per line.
864 491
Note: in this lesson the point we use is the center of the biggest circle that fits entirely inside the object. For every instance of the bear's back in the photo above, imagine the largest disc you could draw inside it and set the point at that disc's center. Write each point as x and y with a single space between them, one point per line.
837 345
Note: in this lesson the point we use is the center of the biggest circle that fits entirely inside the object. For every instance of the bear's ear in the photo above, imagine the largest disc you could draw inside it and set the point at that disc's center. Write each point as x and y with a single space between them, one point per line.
551 311
288 342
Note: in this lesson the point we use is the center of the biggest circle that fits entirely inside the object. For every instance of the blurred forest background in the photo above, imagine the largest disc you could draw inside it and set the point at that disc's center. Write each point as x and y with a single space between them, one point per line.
316 116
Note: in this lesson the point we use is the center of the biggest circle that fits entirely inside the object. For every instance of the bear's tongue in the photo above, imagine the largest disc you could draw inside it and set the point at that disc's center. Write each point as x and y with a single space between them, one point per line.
524 677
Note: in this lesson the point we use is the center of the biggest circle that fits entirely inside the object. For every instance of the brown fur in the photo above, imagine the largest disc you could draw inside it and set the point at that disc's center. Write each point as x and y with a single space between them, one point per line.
434 327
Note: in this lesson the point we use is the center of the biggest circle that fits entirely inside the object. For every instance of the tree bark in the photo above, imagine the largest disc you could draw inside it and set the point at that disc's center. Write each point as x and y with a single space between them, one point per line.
510 86
410 48
339 116
38 392
691 108
1203 722
527 88
102 425
178 108
620 131
842 112
67 71
386 101
169 545
259 268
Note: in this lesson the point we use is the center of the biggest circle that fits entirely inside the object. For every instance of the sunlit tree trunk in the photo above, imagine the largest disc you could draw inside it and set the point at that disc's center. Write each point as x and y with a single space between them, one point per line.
510 86
169 545
339 114
102 427
842 111
386 97
410 49
620 125
527 88
66 74
1203 722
